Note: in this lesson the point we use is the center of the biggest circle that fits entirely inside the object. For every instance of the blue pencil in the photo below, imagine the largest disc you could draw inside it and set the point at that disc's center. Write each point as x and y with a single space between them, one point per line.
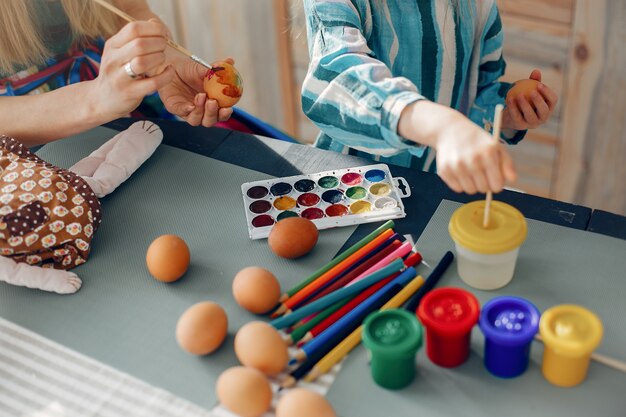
431 281
325 341
377 249
341 293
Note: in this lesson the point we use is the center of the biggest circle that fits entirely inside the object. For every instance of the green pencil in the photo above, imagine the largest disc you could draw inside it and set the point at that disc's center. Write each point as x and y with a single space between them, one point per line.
358 245
300 331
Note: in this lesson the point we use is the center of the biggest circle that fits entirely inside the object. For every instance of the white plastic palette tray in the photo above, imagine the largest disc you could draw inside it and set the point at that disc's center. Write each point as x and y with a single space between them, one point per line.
340 197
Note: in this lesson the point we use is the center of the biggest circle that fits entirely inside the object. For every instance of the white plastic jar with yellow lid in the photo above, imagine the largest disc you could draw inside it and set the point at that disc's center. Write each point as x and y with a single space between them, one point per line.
486 257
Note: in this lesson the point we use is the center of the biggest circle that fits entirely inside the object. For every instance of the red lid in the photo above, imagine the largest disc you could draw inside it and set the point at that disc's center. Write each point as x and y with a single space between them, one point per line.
452 311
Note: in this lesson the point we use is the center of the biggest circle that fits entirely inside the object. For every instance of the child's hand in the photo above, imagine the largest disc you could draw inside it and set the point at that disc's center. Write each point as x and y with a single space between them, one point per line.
469 160
522 114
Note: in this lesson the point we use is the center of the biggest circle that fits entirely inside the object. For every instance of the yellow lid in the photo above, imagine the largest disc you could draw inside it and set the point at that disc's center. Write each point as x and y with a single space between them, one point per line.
570 330
506 230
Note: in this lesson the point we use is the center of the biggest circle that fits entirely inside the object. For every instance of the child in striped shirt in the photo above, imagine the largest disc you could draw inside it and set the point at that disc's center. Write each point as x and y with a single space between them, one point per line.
400 80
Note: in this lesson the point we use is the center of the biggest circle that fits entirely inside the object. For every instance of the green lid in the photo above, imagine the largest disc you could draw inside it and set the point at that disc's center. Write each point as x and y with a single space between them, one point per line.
391 332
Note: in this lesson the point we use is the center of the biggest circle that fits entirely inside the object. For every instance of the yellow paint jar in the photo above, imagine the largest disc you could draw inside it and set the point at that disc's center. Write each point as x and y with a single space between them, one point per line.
486 257
570 334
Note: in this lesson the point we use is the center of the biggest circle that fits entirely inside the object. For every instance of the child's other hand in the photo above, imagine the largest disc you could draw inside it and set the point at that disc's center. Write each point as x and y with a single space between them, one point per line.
469 160
521 113
185 96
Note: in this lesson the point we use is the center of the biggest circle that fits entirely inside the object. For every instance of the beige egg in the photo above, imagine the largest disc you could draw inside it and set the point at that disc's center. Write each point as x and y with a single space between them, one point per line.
300 402
293 237
202 328
167 258
223 83
244 391
260 346
256 289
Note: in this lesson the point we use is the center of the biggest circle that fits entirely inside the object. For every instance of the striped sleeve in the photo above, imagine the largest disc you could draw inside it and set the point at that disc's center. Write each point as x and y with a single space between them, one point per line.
349 94
492 92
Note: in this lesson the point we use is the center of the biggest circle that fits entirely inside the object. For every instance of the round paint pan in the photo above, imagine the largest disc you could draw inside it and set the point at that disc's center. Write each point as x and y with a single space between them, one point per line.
332 196
263 220
375 175
286 214
351 179
385 203
284 203
280 188
260 206
360 207
356 193
304 185
257 192
336 210
312 213
328 182
380 189
308 200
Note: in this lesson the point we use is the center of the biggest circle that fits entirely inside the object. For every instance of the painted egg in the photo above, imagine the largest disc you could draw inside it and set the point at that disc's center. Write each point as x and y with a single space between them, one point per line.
202 328
244 391
260 346
256 289
524 87
293 237
300 402
167 258
223 83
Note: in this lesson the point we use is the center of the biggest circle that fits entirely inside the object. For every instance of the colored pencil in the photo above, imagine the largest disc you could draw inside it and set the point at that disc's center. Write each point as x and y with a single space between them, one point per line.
394 240
412 260
344 279
351 305
342 293
431 281
387 225
292 301
314 359
297 333
401 252
350 342
329 338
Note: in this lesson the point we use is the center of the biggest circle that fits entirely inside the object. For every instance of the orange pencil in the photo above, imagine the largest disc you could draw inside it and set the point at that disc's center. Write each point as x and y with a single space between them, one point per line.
331 273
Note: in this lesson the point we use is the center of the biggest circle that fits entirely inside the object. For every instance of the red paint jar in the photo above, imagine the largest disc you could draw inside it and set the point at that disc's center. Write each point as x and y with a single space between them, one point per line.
448 315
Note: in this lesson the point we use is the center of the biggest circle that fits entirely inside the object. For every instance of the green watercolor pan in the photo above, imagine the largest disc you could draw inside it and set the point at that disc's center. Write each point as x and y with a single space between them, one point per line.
336 198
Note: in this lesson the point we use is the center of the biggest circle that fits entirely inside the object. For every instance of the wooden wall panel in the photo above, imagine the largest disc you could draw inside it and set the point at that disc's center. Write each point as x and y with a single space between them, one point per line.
559 11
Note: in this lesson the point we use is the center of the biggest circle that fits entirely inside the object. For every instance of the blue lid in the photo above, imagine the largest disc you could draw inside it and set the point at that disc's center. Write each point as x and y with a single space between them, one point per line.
509 320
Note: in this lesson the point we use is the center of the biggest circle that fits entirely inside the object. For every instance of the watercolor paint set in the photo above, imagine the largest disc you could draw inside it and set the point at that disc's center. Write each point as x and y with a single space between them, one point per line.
341 197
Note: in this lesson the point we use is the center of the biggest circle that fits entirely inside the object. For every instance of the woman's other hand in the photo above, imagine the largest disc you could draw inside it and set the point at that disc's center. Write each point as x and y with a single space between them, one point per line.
185 96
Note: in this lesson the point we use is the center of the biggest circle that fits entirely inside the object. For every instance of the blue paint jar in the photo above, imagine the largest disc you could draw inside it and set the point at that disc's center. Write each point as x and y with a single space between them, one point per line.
509 325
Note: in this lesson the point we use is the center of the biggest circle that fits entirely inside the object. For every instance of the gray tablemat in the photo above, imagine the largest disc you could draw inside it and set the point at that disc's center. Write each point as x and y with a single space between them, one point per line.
125 318
556 265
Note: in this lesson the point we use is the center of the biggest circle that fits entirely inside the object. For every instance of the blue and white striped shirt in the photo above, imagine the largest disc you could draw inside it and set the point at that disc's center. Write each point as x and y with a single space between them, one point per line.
371 58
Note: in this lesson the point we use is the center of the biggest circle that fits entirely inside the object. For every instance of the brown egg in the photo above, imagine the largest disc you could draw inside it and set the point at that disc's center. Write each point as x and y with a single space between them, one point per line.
260 346
524 87
300 402
244 391
202 328
293 237
256 289
167 258
223 83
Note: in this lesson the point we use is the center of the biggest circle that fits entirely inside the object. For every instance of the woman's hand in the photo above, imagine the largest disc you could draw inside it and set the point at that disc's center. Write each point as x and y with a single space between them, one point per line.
522 114
185 96
468 159
141 45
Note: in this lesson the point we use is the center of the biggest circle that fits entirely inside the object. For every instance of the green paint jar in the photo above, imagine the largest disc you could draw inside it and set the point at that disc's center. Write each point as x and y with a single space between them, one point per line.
392 338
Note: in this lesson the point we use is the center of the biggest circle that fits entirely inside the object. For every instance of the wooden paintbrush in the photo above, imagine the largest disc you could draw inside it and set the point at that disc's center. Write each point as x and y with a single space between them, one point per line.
170 42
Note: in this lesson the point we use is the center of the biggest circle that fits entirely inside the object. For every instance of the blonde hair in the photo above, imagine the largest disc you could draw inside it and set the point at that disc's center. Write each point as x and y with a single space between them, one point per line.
22 45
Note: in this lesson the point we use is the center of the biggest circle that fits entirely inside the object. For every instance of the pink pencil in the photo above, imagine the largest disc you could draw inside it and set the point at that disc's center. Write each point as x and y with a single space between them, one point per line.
401 252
